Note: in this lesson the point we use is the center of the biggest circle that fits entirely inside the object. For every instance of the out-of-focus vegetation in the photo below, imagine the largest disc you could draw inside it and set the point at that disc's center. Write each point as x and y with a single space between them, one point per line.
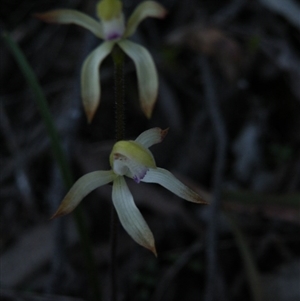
252 50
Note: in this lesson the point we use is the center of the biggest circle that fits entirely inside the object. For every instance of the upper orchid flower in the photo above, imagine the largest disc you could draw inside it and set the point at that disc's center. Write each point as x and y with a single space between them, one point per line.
112 29
134 160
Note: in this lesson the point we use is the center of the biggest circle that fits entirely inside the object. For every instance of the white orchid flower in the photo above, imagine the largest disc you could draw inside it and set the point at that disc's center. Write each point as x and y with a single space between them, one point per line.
134 160
112 29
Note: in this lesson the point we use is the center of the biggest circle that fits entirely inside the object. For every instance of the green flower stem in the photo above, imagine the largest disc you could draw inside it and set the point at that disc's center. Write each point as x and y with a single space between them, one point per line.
118 58
58 155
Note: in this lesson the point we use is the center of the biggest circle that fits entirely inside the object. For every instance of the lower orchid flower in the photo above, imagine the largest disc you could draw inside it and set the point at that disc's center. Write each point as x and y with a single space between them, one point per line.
134 160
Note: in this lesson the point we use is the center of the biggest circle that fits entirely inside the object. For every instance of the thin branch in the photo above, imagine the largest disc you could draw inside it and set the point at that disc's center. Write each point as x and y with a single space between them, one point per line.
218 125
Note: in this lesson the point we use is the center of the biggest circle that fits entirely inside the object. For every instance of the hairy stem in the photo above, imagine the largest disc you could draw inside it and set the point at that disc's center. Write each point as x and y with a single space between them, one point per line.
118 58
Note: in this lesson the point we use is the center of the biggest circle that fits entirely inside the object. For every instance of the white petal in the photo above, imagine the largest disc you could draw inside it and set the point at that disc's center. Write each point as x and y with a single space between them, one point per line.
81 188
146 74
151 137
90 78
130 216
164 178
71 16
143 10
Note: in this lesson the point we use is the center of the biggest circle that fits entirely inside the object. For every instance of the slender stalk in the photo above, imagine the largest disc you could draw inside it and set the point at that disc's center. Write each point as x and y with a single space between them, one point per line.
118 58
59 156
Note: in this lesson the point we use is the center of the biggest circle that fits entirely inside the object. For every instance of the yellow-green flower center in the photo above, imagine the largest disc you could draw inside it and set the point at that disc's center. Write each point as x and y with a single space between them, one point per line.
132 159
109 9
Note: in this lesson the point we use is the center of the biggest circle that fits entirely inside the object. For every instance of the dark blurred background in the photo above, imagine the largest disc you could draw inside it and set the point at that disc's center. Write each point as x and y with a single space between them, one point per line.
241 57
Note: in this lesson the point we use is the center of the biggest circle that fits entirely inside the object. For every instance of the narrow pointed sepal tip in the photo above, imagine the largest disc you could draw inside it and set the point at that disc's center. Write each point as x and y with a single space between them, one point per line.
148 111
48 17
89 119
151 248
163 133
148 103
200 200
58 213
40 16
150 245
154 252
163 14
89 116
